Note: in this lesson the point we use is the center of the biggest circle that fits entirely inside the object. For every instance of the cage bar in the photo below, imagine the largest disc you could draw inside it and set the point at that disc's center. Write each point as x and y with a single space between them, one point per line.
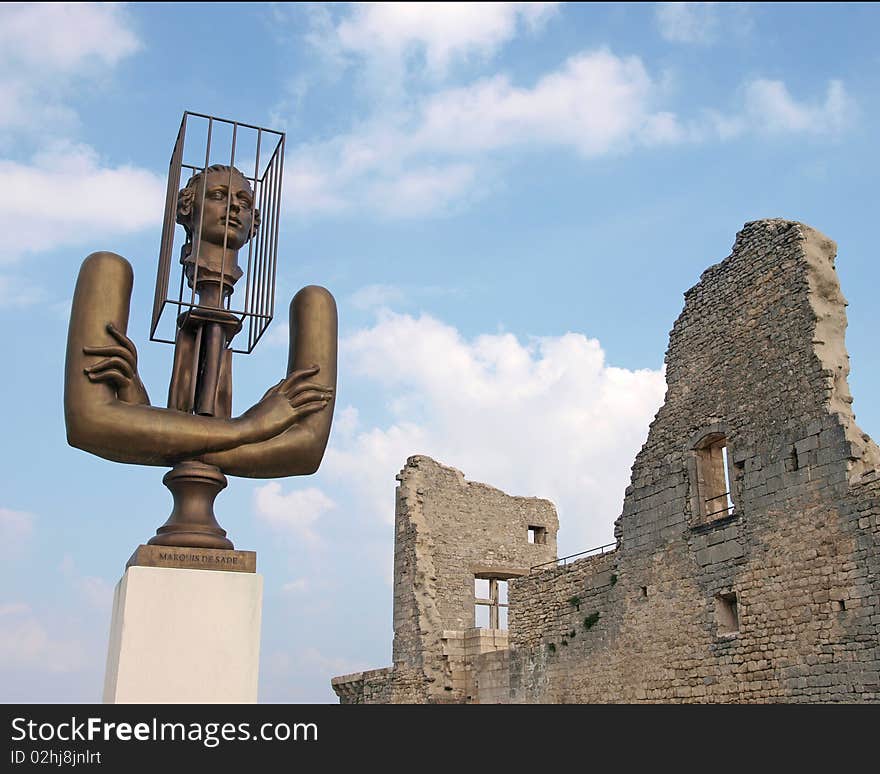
203 141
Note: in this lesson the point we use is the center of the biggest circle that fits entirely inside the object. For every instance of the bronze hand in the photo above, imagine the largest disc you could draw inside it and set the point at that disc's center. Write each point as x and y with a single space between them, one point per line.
119 368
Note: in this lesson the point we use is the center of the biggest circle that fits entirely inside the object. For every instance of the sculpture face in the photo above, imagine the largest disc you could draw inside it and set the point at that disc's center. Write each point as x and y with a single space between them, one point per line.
238 227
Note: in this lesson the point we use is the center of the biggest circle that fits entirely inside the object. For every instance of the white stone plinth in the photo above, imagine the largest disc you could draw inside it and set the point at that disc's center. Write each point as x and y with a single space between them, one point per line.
184 636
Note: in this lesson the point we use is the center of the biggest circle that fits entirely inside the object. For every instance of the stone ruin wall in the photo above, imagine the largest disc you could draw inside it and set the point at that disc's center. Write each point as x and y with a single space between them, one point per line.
758 357
447 532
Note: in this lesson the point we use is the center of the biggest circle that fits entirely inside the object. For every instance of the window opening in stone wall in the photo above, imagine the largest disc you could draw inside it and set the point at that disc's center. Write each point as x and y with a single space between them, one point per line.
490 603
538 535
725 468
713 479
726 614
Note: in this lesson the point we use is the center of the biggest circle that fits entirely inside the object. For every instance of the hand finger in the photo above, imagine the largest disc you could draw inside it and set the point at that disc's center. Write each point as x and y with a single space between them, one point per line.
311 408
112 363
302 398
122 339
292 389
115 363
301 373
116 378
113 350
285 385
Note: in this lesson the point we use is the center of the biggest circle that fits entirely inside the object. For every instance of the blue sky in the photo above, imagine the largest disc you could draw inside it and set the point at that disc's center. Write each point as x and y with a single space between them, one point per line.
507 202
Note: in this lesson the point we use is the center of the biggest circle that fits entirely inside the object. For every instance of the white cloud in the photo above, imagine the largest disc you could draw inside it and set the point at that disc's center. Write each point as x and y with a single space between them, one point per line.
548 418
372 296
16 528
595 103
59 36
687 22
445 148
414 161
294 512
21 107
771 108
768 108
17 293
309 182
416 192
95 591
26 643
346 421
45 47
368 463
432 35
395 185
66 195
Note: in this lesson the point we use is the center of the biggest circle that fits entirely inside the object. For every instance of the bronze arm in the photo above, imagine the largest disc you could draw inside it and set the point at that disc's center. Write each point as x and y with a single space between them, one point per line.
99 422
297 451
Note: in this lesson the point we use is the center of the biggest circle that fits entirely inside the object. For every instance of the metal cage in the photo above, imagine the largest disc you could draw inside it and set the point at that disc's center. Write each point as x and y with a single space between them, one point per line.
259 155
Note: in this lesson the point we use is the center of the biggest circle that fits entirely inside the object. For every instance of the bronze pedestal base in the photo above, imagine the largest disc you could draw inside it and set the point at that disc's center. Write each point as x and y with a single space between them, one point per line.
194 486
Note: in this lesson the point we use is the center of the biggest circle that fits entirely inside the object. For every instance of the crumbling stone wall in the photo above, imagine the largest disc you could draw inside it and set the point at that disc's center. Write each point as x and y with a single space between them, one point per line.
447 532
370 687
381 686
570 595
757 357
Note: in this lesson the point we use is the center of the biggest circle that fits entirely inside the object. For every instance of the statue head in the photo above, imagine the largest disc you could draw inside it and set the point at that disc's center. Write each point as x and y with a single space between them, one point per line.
221 190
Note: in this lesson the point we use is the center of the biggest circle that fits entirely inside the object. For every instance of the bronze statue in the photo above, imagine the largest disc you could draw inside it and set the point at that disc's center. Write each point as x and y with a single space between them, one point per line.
106 407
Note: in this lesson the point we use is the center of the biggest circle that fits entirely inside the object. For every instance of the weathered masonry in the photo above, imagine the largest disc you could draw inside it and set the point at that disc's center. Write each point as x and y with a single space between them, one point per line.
457 545
747 566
